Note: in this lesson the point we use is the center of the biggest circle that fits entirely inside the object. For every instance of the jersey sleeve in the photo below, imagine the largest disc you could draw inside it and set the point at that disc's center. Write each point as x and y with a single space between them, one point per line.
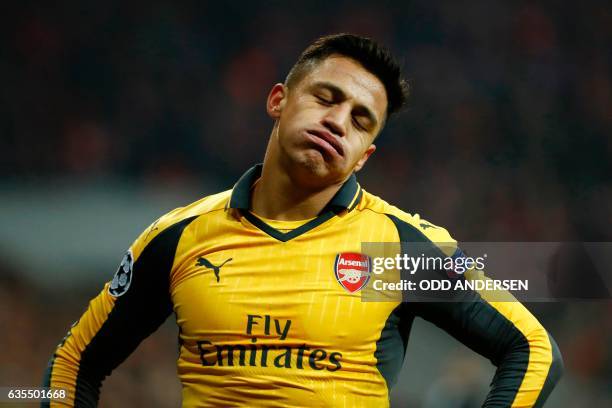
127 310
527 358
496 326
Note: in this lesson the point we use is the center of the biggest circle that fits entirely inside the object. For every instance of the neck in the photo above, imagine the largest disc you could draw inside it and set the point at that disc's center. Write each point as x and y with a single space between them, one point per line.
278 197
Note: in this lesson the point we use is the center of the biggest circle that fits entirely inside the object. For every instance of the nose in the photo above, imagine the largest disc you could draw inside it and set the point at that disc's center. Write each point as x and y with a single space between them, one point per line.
335 119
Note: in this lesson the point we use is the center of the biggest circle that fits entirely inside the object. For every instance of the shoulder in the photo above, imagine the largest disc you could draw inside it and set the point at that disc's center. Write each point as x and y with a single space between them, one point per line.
411 227
173 222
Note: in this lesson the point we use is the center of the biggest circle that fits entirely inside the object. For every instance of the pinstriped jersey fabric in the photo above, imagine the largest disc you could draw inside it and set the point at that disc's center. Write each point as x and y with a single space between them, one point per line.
263 320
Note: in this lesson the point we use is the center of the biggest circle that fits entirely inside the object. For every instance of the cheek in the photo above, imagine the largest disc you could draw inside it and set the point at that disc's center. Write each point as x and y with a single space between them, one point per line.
357 152
294 121
358 144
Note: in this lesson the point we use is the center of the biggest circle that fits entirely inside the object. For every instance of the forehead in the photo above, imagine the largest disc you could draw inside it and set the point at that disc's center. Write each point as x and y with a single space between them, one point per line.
354 80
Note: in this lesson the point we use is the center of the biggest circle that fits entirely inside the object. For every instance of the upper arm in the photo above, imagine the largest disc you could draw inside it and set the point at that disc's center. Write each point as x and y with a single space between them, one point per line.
124 313
528 360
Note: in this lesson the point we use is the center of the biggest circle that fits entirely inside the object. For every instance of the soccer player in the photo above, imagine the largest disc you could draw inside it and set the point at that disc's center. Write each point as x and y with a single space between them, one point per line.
265 278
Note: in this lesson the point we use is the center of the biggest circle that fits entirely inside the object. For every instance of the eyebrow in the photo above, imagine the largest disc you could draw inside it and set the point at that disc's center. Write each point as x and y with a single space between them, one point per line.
337 92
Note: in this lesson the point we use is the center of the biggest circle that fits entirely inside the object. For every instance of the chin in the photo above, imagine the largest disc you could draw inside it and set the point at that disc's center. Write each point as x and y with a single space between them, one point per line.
311 169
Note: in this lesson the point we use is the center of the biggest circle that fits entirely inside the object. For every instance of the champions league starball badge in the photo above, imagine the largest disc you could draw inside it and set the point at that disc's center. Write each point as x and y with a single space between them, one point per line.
123 277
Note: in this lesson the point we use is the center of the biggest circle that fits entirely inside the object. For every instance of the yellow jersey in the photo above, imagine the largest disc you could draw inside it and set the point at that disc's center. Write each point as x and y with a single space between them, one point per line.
265 320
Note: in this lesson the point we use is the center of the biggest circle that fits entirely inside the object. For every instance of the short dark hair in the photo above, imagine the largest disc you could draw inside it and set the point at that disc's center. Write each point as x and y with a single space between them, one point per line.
372 56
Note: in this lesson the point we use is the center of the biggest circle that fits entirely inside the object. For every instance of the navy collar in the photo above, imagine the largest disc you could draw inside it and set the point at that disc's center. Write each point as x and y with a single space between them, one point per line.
346 198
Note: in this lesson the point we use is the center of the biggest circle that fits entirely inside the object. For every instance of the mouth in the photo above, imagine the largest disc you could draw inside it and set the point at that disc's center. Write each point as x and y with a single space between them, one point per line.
326 141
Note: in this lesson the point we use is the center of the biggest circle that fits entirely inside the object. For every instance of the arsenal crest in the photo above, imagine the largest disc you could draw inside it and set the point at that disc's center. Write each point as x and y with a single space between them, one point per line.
352 270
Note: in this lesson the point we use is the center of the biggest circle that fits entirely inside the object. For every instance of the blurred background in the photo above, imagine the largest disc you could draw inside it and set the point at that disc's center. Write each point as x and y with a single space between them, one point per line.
116 112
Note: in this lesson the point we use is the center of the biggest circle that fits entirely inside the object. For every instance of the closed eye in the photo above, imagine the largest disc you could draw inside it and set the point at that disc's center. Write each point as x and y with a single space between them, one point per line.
358 125
323 101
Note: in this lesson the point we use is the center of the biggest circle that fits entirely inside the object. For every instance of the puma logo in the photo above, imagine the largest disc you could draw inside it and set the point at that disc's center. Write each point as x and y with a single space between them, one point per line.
153 228
216 269
425 226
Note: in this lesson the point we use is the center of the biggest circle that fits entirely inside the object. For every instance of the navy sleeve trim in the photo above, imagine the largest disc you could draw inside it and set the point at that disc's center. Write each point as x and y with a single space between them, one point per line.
554 373
476 324
135 315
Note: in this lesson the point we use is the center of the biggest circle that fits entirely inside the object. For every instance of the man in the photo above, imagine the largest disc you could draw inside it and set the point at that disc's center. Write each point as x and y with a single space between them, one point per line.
267 316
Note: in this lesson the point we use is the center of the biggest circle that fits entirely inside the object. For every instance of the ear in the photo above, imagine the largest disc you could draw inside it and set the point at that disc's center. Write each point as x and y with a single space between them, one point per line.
364 159
276 100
